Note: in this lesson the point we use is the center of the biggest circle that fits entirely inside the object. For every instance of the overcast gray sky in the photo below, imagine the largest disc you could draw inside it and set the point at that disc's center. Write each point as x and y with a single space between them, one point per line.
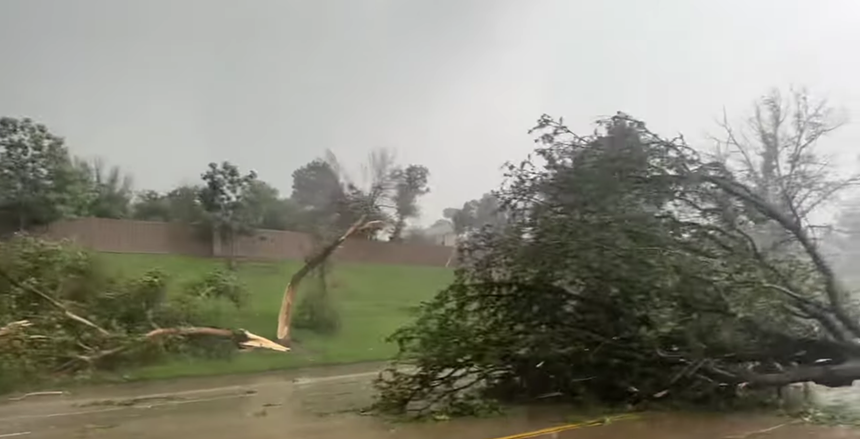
162 87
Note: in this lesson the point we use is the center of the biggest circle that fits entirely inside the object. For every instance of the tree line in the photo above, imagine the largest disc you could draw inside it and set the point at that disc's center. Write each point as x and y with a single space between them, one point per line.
42 181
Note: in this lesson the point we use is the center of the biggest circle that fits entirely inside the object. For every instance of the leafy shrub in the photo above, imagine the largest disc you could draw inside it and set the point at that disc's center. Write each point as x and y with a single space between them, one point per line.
316 310
219 284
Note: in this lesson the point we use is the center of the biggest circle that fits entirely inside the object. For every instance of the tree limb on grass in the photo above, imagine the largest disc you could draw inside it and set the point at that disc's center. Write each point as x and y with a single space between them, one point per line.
285 314
241 337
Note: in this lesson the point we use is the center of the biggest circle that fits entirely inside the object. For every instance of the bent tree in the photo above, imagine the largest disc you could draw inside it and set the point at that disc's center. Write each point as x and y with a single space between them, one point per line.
628 270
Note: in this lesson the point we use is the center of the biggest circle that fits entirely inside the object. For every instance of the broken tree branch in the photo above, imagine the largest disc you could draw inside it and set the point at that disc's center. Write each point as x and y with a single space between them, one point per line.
9 328
243 339
835 294
285 314
52 301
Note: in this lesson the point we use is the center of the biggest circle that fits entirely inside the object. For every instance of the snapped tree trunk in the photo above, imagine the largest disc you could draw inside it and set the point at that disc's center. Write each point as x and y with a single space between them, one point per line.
286 313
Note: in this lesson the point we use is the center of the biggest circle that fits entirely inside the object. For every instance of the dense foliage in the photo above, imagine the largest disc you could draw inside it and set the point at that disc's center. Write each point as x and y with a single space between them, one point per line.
38 181
330 201
624 272
62 313
42 181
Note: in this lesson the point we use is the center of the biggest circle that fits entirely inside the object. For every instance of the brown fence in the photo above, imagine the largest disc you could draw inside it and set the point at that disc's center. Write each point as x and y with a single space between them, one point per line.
126 236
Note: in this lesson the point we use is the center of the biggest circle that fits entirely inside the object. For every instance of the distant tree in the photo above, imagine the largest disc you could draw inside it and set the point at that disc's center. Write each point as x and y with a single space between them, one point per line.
409 184
485 211
462 219
359 203
317 189
184 205
418 235
778 158
372 198
224 198
38 182
488 211
381 177
473 216
269 210
284 214
181 205
150 205
843 241
111 189
330 200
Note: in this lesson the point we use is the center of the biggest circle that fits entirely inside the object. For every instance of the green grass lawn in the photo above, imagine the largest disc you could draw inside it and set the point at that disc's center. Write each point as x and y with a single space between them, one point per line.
373 300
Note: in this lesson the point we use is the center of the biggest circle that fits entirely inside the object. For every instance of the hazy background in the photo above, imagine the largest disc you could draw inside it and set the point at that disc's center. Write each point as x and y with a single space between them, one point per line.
162 87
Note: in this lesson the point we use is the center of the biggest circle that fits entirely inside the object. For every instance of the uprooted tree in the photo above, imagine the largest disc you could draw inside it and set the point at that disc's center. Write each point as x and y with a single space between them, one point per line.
627 271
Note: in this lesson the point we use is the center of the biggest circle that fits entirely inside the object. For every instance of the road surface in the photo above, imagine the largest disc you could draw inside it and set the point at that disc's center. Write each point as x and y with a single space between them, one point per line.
321 404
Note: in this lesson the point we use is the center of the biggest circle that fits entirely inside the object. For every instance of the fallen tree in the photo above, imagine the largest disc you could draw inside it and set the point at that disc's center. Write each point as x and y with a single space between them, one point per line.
66 316
61 314
629 271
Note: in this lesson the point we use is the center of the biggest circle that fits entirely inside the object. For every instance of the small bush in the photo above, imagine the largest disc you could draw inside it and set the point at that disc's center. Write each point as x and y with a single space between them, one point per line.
219 284
316 310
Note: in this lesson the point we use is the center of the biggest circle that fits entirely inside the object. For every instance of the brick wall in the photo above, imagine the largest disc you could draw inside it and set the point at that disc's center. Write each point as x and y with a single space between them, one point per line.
127 236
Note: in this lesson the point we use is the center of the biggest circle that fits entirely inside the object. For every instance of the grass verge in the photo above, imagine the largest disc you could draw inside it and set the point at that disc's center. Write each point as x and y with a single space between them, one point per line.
373 301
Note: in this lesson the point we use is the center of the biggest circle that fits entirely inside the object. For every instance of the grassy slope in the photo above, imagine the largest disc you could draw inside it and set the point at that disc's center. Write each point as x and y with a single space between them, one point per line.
374 300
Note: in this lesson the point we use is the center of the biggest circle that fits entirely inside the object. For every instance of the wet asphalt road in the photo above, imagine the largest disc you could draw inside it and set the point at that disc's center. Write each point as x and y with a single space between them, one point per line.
322 404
